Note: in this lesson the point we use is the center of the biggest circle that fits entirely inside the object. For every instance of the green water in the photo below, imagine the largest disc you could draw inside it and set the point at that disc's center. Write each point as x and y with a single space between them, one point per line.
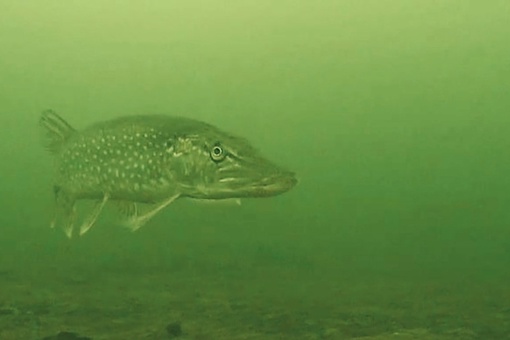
394 114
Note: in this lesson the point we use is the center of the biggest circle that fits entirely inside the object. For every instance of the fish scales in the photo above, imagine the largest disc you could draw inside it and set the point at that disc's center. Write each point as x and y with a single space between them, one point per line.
124 157
152 160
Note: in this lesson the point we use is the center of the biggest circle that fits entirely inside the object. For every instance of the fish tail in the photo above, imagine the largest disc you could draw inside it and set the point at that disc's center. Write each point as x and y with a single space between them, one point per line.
56 128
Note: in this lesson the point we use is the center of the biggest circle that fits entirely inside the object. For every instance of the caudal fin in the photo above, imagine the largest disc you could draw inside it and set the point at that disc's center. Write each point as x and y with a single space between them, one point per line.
57 130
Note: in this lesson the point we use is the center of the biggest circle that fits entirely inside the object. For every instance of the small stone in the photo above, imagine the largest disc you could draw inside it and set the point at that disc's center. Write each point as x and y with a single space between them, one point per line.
174 329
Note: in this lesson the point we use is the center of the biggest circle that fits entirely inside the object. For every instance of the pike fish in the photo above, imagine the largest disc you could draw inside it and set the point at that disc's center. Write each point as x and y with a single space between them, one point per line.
144 163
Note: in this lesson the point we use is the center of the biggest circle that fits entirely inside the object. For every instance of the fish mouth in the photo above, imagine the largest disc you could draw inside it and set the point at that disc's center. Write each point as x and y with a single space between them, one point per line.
274 185
263 186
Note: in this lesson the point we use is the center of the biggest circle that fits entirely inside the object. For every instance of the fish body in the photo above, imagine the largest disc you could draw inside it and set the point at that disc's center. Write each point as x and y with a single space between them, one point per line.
152 160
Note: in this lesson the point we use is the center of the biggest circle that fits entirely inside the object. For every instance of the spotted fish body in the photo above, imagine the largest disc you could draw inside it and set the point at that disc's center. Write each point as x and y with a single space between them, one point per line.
151 161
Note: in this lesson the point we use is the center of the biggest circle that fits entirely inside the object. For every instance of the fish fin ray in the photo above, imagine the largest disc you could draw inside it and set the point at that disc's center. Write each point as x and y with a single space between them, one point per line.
223 201
136 222
65 211
57 130
69 219
94 214
127 209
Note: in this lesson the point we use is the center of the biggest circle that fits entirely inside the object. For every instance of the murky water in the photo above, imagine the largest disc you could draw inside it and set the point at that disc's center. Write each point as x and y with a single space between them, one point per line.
394 115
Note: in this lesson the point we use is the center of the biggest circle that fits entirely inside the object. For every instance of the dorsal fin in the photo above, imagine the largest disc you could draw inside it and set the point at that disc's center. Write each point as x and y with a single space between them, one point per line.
56 128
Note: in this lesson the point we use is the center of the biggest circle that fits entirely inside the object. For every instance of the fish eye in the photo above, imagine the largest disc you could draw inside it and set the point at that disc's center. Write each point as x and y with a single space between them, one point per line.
217 153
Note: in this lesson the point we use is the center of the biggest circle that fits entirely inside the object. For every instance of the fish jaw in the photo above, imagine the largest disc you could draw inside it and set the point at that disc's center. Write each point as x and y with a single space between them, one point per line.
259 178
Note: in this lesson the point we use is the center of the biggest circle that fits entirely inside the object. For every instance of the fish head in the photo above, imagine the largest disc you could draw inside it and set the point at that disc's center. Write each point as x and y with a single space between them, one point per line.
212 164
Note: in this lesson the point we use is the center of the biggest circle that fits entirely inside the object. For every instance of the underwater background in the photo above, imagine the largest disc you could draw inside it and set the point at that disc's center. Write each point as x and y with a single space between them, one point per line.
394 115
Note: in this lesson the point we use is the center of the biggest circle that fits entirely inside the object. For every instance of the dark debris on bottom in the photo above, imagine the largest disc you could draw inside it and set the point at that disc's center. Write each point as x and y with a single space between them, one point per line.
66 336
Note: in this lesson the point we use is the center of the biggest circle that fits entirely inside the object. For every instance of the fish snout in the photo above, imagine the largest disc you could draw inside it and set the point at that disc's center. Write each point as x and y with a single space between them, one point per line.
278 183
